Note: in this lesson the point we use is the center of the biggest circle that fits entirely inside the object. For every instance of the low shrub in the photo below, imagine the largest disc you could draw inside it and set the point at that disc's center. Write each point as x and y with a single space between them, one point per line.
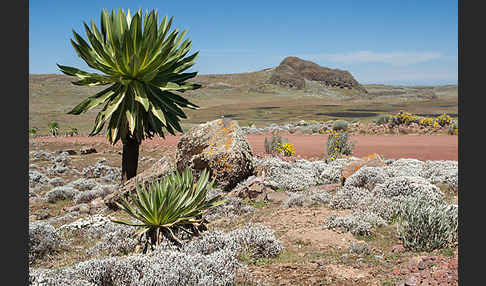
367 177
173 205
71 131
340 125
61 193
358 223
53 128
403 117
232 207
453 128
33 131
285 149
338 144
275 142
427 122
443 120
349 197
425 226
209 260
43 240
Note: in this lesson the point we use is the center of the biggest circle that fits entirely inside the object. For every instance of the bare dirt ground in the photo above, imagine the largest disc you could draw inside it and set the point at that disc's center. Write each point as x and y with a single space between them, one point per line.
434 147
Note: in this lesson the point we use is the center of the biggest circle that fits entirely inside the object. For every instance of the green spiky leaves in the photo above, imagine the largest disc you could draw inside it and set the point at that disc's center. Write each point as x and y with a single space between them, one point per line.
175 203
143 63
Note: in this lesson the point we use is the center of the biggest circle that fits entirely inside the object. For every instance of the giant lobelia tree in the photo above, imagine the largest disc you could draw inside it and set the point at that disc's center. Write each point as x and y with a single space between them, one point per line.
143 65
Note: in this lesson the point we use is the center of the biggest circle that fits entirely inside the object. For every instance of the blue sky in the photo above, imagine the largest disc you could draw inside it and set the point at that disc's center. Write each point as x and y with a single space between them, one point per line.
391 42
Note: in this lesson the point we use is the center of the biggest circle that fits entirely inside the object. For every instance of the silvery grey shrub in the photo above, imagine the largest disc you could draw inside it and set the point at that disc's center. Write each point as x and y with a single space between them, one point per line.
367 177
99 170
42 155
307 198
209 260
60 193
349 197
37 178
301 174
358 223
83 184
425 226
43 240
405 167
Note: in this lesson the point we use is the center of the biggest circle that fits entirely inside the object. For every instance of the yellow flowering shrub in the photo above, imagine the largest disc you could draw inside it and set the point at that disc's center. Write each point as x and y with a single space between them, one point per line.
443 120
338 144
427 121
285 149
403 117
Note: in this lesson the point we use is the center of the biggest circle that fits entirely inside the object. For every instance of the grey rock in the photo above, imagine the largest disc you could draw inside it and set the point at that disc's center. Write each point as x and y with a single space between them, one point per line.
219 146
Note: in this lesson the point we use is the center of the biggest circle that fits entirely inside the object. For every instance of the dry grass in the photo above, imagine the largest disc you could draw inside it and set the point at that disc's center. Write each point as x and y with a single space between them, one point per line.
245 97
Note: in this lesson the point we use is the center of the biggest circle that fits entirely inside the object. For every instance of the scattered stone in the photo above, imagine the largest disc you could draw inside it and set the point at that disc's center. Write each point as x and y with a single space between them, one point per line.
69 151
88 150
252 188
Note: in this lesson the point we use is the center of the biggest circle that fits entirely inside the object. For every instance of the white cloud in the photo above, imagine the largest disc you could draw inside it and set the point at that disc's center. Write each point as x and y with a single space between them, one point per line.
391 58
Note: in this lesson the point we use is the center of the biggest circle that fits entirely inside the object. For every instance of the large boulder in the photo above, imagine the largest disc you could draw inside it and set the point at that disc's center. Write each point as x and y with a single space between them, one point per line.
219 146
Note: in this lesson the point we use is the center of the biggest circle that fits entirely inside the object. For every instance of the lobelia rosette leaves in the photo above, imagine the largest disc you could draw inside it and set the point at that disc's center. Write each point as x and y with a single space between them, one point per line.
143 64
172 205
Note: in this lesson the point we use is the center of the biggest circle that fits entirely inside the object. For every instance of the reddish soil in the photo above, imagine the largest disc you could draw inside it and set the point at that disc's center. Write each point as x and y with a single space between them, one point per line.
433 147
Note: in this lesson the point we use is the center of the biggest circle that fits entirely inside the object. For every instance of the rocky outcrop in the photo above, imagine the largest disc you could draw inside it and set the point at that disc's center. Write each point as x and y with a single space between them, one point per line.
293 71
285 75
219 146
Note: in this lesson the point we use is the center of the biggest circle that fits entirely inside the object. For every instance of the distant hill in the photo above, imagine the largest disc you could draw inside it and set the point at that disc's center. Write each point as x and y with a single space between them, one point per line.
293 72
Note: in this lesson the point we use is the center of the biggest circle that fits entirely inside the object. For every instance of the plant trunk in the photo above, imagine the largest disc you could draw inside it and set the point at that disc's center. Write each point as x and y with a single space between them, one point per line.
129 159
